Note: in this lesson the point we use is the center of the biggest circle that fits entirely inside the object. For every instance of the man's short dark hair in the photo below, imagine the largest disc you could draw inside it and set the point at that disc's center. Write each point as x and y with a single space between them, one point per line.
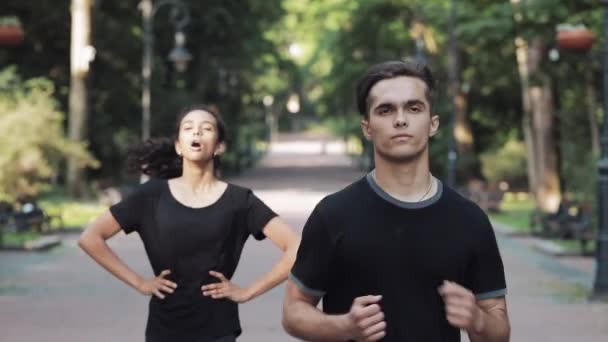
392 69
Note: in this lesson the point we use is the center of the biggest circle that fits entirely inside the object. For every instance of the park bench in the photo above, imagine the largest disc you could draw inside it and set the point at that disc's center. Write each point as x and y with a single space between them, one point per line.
28 217
572 221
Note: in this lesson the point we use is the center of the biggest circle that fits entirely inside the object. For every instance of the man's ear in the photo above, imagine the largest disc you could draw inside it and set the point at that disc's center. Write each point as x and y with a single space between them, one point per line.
365 129
434 125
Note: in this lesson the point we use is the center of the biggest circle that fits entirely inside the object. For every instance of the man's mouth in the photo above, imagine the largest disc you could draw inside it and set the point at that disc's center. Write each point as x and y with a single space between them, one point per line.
401 136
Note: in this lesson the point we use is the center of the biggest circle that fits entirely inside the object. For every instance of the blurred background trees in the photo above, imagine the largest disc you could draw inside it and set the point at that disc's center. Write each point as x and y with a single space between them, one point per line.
526 113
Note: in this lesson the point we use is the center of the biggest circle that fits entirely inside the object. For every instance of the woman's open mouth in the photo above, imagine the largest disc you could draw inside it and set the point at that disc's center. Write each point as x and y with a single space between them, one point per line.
195 146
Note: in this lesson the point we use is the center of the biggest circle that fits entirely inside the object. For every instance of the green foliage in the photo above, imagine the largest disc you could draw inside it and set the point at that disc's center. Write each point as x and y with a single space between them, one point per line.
10 21
515 212
18 239
74 214
227 39
506 164
241 54
32 141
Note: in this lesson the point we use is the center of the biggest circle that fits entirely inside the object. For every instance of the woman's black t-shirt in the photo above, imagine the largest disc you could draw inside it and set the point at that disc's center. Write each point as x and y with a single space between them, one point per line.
190 242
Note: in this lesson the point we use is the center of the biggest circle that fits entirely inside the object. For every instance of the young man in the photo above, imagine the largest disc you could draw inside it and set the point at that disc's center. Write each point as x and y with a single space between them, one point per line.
397 256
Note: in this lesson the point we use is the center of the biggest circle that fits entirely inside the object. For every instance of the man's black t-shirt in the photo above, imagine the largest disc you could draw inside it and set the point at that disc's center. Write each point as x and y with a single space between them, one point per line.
361 241
190 242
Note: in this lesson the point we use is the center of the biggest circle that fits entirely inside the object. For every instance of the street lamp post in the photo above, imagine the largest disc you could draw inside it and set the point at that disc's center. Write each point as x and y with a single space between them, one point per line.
454 88
600 287
179 55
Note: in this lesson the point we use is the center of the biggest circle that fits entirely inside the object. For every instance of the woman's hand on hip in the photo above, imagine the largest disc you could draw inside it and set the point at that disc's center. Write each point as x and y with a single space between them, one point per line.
157 286
225 289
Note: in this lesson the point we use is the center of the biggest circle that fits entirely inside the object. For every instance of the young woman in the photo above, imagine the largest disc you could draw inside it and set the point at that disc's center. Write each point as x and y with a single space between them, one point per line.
193 226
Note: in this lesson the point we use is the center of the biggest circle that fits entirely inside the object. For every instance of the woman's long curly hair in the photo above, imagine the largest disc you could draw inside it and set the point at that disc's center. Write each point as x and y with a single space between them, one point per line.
157 157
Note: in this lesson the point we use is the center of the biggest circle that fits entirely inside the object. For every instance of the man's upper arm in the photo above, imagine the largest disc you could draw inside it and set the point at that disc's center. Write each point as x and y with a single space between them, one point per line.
296 294
485 274
314 262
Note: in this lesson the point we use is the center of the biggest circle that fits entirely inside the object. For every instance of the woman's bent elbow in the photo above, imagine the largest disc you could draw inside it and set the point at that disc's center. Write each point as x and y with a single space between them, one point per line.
82 241
85 240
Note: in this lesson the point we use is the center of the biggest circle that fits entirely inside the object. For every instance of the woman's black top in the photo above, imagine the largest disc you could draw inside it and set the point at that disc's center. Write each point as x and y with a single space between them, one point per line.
191 242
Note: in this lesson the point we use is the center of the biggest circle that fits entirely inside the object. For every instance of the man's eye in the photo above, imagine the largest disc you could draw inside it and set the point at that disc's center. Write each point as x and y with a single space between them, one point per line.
416 109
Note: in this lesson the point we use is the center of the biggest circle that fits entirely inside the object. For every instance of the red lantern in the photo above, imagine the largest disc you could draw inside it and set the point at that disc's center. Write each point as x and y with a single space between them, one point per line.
579 39
11 35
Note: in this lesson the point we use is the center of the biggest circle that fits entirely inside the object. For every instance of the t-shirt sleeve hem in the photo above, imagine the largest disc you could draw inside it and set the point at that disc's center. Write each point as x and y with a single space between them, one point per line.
259 235
116 214
491 294
304 288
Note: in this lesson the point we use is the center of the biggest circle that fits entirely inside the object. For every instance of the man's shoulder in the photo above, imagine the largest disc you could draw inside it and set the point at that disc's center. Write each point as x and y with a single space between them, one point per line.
467 208
344 198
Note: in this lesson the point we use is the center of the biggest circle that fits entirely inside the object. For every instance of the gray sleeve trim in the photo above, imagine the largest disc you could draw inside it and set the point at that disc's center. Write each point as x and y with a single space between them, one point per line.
491 294
304 288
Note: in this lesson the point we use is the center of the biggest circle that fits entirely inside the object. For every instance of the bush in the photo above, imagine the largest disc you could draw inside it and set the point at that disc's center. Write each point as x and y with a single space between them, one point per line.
506 164
32 140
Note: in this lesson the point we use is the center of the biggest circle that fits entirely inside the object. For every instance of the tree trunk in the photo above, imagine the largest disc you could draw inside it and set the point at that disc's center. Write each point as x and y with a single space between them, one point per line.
80 56
524 75
463 134
547 189
548 193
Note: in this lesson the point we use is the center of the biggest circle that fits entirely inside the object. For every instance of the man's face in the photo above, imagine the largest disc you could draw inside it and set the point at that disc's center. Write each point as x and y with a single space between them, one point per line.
399 121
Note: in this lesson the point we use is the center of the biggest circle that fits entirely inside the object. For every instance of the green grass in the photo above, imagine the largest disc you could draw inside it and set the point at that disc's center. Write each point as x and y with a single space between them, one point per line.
575 245
515 212
18 239
74 213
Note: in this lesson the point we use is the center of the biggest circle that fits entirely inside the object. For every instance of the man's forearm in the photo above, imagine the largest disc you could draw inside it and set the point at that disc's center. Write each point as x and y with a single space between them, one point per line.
495 327
306 322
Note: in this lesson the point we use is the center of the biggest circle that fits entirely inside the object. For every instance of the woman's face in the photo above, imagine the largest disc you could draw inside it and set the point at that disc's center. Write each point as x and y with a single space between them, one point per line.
198 137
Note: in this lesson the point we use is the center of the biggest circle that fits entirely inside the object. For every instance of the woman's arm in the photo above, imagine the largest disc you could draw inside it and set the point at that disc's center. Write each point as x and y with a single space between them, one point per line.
93 242
281 234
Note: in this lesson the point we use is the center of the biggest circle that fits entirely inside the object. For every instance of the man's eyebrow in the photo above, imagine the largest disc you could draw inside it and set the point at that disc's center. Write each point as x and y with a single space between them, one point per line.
383 105
408 103
415 102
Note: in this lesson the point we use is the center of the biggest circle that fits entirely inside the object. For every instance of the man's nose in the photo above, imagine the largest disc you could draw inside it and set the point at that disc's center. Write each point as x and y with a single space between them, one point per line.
401 119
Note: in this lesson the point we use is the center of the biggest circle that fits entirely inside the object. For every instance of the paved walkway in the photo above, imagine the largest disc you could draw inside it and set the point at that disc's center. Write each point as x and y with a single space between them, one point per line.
63 296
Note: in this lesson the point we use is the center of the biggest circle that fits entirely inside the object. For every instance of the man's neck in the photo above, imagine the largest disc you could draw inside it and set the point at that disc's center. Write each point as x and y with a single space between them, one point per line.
406 181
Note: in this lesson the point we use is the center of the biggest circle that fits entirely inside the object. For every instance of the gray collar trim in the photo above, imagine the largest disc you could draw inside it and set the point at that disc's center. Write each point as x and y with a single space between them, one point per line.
407 205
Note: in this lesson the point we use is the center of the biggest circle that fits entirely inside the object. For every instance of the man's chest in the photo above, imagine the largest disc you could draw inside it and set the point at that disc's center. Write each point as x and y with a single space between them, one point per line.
402 250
